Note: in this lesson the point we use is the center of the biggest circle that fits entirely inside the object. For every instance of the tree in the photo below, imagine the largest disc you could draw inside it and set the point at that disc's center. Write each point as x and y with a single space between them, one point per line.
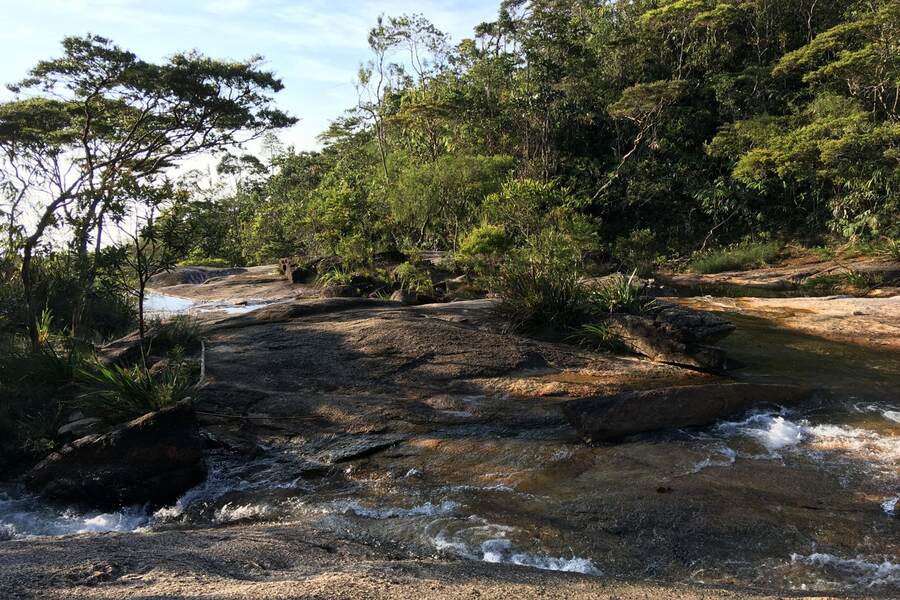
100 116
151 245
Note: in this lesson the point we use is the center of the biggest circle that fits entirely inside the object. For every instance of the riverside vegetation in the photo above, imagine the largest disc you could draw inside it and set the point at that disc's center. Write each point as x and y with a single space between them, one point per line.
553 162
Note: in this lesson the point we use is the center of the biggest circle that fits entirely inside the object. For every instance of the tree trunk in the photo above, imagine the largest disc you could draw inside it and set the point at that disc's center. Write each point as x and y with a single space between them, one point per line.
141 326
28 289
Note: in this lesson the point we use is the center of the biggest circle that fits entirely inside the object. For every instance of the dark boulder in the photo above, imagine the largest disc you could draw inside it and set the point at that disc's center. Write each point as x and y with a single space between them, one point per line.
296 270
153 459
676 335
610 418
692 326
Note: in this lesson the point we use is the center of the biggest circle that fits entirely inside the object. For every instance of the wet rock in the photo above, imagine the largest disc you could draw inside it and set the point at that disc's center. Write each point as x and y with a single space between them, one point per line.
610 418
190 275
358 446
153 459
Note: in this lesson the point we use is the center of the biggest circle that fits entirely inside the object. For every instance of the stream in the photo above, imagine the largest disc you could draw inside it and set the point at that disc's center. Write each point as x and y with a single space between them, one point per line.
540 498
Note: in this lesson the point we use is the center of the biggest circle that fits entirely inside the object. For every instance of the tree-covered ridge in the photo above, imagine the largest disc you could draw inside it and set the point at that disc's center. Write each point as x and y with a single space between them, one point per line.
705 121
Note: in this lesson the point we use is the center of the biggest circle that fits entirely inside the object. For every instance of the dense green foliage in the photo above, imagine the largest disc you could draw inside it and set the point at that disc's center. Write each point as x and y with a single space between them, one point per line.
566 135
641 129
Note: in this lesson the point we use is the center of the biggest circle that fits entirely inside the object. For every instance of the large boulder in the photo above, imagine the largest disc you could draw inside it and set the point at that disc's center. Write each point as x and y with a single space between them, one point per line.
610 418
676 335
153 459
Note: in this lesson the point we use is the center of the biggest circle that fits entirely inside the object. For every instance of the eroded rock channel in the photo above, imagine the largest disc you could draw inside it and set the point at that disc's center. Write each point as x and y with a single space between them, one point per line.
344 432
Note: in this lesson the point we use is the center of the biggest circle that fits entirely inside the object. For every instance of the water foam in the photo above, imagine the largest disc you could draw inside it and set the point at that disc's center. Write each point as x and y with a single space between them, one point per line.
728 458
501 551
230 513
23 516
423 510
865 572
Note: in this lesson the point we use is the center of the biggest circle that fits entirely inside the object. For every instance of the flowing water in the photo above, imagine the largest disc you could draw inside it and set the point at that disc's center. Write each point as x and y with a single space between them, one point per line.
801 497
163 305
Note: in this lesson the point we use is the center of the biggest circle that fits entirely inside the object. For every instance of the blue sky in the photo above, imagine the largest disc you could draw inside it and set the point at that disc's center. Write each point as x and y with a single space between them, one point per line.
315 46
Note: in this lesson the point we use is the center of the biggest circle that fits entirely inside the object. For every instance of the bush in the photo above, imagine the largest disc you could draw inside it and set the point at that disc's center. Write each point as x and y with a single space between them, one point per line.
485 240
413 279
742 256
890 249
637 251
525 208
540 286
434 203
123 393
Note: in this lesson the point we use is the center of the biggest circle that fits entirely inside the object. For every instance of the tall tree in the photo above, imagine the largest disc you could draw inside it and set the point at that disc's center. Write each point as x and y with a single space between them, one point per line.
99 115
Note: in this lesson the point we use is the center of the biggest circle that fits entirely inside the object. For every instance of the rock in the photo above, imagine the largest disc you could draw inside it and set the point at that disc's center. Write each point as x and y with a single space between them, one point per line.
643 335
610 418
353 447
296 270
404 297
190 275
153 459
160 366
692 326
79 429
412 299
341 291
675 334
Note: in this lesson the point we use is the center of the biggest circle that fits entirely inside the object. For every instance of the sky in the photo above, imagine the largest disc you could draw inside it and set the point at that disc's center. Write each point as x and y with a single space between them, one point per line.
314 46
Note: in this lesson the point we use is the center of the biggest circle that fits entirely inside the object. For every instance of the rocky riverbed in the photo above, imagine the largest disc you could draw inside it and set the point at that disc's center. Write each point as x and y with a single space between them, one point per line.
360 448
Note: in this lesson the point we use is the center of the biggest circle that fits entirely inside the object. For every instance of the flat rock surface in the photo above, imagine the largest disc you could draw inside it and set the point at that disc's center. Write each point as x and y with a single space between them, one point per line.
415 434
785 276
867 322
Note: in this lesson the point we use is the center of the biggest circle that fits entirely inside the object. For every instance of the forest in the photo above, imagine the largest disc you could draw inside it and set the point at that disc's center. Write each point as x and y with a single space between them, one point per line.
564 138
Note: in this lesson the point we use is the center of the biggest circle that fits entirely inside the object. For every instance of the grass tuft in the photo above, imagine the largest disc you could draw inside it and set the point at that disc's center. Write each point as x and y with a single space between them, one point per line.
620 294
736 258
122 393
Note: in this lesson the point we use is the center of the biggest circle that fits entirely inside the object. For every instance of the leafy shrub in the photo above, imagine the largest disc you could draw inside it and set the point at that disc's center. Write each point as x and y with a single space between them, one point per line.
527 207
485 240
855 282
540 286
482 249
413 279
637 251
123 393
742 256
434 203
